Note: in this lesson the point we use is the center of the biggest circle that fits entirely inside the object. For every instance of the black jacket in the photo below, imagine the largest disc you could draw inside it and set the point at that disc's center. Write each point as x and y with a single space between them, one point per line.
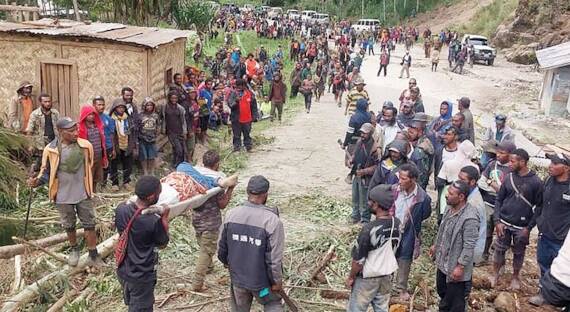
553 216
511 208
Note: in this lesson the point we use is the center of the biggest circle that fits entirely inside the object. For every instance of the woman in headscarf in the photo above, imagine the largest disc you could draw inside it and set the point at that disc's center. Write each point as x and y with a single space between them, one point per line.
437 126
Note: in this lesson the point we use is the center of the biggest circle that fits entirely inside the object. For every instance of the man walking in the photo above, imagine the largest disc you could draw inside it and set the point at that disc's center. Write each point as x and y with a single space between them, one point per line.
243 107
406 63
66 167
277 96
412 207
295 79
385 229
454 247
363 164
251 246
21 107
207 220
147 232
516 201
354 95
384 61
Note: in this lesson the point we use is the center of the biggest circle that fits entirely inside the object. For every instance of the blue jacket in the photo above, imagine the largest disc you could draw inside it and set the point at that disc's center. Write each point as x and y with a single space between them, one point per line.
413 226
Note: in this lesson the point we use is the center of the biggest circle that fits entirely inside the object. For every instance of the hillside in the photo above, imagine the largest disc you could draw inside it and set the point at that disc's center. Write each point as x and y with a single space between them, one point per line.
537 24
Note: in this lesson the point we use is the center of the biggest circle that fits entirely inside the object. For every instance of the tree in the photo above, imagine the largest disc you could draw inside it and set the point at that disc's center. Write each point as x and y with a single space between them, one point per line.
192 13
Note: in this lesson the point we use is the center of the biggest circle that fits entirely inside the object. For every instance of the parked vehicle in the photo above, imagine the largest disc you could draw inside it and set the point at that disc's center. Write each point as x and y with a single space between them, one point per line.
321 18
366 25
307 15
482 51
247 8
275 11
293 14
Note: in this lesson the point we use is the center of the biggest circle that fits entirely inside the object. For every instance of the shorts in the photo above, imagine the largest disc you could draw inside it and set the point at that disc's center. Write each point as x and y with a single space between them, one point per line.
147 151
138 296
68 214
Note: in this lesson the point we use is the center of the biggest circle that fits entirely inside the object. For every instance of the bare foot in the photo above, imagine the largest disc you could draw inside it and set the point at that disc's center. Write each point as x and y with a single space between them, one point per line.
404 296
515 284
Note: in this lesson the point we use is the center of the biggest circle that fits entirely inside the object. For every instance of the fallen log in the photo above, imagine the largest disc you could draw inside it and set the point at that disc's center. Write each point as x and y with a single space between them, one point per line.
17 274
7 252
323 263
59 304
104 249
58 257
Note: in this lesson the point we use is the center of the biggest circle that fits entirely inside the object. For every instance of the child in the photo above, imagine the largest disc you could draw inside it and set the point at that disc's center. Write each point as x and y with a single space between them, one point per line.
307 88
149 129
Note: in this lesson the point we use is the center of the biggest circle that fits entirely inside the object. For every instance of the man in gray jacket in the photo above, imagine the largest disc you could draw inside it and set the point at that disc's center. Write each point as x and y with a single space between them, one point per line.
454 249
251 247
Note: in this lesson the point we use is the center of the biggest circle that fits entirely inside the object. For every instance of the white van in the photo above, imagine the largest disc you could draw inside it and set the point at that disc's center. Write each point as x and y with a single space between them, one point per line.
275 11
307 15
293 14
366 24
321 18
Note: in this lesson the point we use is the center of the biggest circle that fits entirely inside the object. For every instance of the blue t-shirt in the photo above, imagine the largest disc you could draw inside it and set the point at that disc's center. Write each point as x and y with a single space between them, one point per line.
109 129
206 94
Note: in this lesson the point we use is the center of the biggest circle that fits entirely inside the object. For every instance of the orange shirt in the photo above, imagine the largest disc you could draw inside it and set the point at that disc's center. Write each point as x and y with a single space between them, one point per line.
27 108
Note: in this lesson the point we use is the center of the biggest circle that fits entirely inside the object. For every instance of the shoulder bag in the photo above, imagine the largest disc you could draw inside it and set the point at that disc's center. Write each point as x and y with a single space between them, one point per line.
121 248
519 194
381 261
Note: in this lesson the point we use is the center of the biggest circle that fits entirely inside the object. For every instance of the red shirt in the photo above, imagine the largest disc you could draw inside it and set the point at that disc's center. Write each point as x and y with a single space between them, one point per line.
245 107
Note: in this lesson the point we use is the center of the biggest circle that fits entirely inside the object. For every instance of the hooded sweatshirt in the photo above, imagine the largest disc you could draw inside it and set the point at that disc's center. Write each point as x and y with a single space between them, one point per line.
86 110
360 117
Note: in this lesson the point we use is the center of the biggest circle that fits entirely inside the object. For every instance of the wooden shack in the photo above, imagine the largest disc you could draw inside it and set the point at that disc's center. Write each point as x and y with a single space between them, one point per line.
555 93
74 61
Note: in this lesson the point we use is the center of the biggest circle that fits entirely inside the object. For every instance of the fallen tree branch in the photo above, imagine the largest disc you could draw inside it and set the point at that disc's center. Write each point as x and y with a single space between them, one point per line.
39 219
413 298
323 263
168 297
332 305
200 304
316 288
7 252
17 274
45 250
104 249
59 304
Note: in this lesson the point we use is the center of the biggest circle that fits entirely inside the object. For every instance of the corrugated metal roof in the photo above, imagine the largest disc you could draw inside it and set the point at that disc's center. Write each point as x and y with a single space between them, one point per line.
555 56
150 37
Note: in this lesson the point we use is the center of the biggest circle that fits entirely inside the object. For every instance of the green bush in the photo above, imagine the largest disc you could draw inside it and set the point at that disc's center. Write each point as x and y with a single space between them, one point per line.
488 18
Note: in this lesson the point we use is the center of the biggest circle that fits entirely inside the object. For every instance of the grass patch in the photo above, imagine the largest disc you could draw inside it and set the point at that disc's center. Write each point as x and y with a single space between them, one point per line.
487 19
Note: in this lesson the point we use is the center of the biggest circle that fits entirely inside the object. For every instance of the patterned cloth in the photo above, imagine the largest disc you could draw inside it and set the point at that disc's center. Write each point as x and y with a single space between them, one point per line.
184 185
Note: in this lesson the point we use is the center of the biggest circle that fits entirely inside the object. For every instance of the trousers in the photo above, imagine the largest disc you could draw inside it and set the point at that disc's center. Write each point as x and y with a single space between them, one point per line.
239 129
124 159
242 298
360 211
451 294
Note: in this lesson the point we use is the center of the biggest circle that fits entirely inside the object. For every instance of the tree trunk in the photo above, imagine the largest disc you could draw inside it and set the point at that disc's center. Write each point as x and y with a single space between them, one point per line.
395 7
76 10
417 6
7 252
384 11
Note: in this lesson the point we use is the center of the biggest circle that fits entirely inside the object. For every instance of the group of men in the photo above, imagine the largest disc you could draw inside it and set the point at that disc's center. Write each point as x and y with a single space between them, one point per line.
475 198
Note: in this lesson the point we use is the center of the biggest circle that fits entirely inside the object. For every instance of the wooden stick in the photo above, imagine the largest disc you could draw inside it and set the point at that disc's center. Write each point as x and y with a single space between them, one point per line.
332 305
59 304
315 288
200 304
413 298
323 263
168 297
7 252
17 273
40 219
45 250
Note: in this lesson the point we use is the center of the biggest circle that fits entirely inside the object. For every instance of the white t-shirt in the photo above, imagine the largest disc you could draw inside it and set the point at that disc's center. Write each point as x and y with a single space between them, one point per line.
560 267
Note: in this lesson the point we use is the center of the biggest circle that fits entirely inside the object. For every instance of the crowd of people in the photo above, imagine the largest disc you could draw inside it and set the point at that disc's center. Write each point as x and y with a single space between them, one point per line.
394 156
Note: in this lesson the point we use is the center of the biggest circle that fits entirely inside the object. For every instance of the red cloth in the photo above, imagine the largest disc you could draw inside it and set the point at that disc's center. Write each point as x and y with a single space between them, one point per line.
82 127
245 107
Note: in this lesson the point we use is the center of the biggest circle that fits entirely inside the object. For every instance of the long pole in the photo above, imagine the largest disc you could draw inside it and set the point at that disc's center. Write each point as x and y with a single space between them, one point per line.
30 197
384 3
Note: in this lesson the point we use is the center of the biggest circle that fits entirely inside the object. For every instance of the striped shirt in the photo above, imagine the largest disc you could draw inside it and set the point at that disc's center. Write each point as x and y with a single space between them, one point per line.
352 97
94 137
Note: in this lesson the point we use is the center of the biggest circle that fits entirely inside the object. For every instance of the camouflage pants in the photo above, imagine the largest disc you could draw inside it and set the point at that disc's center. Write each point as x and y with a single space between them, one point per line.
208 244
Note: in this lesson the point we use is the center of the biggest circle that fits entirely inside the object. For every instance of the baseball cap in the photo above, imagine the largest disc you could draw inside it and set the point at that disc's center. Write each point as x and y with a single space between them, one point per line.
366 128
65 123
258 185
559 158
383 195
387 104
500 118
